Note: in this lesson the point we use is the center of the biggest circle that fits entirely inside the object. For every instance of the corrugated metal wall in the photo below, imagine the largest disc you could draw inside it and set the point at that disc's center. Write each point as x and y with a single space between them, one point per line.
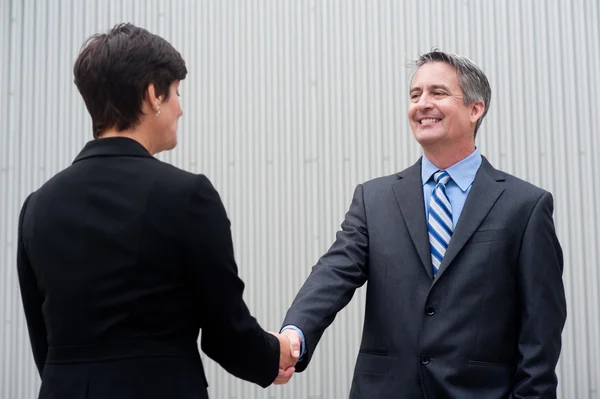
288 105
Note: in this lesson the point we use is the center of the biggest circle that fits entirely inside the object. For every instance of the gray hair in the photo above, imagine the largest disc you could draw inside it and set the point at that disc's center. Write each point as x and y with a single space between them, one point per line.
472 80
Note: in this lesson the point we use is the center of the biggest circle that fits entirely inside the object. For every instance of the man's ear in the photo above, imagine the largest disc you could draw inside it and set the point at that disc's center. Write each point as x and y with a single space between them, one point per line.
477 109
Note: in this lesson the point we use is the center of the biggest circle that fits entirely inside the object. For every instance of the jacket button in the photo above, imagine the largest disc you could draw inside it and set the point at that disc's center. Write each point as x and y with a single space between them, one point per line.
424 359
430 310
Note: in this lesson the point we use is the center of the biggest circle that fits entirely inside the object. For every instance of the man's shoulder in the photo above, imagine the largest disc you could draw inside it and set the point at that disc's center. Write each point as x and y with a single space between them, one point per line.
381 181
379 185
388 180
516 185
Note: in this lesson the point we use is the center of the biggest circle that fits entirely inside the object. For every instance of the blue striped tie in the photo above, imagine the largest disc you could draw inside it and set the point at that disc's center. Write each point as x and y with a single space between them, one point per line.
439 221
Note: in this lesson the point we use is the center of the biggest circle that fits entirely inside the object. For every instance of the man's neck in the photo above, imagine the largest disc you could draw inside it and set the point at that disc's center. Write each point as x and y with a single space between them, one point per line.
444 157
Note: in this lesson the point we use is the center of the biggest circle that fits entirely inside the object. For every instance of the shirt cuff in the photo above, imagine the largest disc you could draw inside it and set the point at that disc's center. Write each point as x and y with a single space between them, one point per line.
299 331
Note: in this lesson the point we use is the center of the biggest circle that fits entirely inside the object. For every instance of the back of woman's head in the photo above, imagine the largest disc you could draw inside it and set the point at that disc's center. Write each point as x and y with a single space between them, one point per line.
113 72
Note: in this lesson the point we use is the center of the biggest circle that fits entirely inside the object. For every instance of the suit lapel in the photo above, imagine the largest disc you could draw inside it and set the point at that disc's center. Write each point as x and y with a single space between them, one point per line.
483 195
409 195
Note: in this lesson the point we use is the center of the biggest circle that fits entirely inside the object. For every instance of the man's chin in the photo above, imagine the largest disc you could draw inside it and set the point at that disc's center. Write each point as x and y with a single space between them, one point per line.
427 136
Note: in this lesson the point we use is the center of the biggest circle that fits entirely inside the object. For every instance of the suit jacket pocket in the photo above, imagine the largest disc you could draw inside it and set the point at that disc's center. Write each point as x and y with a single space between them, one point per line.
374 376
375 352
377 363
491 235
500 373
478 363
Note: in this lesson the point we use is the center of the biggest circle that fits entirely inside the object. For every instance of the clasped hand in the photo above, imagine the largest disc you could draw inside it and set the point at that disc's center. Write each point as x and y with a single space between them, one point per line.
289 352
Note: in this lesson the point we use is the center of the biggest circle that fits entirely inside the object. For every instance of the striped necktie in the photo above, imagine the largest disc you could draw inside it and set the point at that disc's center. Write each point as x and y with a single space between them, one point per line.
439 221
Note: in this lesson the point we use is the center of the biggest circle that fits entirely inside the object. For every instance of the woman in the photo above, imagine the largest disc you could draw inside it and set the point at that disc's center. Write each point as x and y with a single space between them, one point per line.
122 259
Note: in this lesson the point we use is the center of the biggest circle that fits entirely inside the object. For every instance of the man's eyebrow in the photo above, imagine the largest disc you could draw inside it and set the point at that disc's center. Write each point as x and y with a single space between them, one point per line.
443 87
431 87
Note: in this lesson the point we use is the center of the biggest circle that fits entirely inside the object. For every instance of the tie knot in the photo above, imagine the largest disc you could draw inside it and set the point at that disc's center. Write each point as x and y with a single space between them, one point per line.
441 177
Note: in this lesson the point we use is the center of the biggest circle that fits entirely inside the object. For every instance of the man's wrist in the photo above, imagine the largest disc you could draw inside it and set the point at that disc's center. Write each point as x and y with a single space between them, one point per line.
299 331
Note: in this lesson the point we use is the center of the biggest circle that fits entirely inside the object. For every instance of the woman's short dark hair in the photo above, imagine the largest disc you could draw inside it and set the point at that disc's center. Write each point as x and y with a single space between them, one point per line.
113 71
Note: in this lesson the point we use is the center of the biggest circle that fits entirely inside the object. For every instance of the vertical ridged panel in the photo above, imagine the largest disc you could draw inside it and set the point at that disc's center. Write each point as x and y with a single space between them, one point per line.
288 105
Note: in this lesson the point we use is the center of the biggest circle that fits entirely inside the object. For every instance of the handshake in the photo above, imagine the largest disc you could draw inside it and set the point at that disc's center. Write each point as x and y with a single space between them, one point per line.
289 352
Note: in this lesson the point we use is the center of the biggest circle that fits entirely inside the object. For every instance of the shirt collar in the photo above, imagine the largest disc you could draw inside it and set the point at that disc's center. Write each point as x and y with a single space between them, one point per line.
462 173
113 146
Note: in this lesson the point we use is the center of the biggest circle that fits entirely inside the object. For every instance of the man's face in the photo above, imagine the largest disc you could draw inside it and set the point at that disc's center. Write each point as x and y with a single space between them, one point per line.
437 113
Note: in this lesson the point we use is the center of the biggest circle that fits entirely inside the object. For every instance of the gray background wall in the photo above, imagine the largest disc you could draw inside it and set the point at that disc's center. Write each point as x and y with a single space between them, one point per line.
290 104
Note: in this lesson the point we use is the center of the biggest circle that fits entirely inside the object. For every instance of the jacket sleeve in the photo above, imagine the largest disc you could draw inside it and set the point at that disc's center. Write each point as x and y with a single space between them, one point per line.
32 299
230 335
333 280
543 305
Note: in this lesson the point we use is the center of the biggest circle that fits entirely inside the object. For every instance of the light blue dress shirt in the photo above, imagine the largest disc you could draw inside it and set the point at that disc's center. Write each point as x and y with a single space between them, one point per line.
462 174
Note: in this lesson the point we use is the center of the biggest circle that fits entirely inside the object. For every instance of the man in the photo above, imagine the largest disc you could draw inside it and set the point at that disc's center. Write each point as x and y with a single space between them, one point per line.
465 296
123 259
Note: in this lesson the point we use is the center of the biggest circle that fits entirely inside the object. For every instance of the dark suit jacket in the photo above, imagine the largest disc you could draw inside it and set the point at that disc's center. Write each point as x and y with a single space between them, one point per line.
122 259
488 327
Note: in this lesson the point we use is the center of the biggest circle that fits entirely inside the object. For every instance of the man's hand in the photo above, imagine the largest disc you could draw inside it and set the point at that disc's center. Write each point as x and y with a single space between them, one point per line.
289 352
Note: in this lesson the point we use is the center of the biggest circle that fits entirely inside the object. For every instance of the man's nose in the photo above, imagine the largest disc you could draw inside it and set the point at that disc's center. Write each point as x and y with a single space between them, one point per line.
424 102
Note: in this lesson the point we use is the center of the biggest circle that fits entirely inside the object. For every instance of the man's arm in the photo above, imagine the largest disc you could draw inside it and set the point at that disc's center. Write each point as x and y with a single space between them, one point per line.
230 335
332 281
32 299
543 305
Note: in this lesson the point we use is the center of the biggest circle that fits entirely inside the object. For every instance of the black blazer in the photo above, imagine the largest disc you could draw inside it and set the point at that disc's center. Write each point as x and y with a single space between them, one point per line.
122 259
488 327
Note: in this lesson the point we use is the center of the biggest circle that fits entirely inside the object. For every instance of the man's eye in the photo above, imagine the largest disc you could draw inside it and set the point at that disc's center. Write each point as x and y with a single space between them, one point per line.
414 97
438 93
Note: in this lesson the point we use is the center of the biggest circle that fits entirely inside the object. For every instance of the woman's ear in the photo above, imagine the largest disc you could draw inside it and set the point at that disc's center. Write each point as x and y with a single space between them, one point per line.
153 99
